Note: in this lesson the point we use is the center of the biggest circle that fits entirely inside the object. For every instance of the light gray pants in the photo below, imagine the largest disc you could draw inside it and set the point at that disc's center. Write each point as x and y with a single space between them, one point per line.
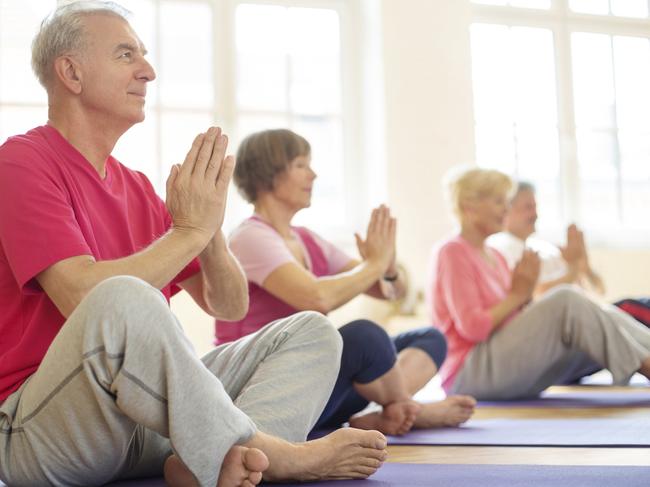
120 388
564 332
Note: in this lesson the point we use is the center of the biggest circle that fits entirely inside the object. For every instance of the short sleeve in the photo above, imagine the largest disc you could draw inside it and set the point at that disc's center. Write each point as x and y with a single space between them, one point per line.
37 222
336 258
259 250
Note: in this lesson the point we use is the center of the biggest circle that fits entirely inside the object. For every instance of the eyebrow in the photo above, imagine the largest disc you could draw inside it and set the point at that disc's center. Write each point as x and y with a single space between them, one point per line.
131 47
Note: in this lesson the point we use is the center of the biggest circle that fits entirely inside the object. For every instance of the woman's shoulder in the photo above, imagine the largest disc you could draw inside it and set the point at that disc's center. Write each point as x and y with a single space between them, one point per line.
454 245
252 228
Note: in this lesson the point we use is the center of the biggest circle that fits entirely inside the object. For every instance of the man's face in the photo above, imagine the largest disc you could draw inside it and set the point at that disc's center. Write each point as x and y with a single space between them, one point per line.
114 72
522 216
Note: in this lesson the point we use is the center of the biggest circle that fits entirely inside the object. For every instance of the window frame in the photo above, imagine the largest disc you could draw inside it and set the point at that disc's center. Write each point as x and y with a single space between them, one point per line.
354 174
224 108
561 21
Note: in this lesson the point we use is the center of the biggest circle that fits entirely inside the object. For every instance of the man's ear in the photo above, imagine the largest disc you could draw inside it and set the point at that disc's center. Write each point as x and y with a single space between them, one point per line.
68 72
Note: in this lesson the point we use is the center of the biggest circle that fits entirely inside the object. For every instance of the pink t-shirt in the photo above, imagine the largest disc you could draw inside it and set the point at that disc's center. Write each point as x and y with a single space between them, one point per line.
53 206
261 250
462 288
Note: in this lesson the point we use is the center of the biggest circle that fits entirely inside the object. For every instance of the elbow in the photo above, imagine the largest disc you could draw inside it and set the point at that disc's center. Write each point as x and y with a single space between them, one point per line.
68 303
314 301
241 309
235 311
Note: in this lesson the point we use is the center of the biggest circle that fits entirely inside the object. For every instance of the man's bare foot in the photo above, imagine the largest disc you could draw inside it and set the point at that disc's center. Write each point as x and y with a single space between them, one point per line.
394 419
346 453
451 411
241 467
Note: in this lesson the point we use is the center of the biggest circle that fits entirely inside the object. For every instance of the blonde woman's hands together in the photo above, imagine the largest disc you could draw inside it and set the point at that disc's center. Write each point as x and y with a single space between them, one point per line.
379 245
525 276
197 189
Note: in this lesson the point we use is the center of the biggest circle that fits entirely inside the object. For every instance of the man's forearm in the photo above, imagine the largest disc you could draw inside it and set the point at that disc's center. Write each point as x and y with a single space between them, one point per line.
225 288
159 263
67 282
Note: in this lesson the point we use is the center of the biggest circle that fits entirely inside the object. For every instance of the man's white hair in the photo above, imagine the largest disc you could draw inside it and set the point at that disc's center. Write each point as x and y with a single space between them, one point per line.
62 32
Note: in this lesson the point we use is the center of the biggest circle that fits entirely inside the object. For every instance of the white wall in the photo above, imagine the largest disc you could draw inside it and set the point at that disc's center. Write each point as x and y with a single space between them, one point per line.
429 116
429 128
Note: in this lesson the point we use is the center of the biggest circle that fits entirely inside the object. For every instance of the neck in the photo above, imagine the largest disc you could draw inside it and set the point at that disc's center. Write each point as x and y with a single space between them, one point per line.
521 235
473 235
93 136
276 213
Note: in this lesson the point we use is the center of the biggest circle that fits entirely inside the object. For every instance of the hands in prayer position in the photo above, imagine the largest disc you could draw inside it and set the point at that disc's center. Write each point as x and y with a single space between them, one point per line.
197 189
525 275
379 245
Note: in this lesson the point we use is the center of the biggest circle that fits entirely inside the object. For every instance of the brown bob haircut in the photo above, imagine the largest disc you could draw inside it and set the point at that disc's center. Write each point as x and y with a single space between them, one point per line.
262 156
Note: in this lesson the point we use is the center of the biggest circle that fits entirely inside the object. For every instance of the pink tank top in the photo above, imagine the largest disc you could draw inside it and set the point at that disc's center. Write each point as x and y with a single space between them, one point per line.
263 306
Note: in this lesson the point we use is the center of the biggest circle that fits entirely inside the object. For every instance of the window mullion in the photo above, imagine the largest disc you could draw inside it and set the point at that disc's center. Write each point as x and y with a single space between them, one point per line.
615 132
224 64
569 173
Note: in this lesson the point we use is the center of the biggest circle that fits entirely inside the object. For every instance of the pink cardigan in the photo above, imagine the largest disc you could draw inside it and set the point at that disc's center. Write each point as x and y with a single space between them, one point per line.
462 288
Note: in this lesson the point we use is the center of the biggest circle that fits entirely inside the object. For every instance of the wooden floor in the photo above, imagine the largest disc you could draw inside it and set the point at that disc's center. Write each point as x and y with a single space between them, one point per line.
531 455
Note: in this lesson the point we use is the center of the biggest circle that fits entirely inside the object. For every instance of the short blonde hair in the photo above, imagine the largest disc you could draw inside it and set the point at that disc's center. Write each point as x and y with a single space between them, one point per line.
471 184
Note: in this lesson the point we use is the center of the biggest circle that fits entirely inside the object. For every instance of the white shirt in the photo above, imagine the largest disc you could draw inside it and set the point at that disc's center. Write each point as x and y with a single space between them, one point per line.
512 248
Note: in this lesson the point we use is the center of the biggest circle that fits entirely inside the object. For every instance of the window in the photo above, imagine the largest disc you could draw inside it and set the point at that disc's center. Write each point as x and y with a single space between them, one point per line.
23 103
561 99
289 75
246 66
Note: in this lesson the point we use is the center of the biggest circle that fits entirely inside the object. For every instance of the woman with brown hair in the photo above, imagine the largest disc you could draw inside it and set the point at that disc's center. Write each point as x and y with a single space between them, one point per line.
291 269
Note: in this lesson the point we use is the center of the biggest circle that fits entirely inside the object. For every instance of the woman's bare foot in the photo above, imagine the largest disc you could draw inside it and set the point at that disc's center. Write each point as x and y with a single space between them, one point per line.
241 467
346 453
394 419
451 411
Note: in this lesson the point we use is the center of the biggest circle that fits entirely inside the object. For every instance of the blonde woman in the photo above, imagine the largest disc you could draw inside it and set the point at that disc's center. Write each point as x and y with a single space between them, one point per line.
500 345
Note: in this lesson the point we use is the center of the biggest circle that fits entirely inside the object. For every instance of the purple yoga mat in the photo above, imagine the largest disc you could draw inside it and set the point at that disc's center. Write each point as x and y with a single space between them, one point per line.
589 397
418 475
590 432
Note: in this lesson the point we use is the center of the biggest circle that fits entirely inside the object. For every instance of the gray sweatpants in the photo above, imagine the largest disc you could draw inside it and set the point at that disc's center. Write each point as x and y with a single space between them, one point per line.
564 332
120 388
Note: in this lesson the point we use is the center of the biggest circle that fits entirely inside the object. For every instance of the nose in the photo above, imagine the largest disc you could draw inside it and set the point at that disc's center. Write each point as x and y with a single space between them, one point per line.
146 72
313 173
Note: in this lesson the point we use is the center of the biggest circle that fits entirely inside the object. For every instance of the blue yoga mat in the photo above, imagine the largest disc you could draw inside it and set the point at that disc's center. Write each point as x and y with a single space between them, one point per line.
589 432
589 397
419 475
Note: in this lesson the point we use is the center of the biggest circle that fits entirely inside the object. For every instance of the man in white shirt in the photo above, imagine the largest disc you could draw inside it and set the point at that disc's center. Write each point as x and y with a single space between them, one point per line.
560 265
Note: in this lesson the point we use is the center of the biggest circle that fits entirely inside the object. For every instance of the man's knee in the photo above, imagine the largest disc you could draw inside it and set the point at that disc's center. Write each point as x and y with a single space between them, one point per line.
320 327
123 290
125 300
